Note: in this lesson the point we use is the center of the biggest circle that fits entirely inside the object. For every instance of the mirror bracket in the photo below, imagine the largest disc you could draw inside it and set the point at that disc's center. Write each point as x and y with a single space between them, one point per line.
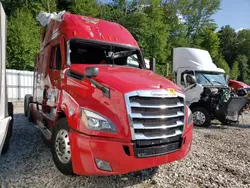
152 64
91 72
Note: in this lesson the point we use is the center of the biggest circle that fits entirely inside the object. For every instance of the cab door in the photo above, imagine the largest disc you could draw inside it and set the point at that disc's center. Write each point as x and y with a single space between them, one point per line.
55 63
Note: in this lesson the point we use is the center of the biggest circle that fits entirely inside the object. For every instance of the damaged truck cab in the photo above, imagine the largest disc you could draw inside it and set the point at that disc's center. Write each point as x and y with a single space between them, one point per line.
94 100
206 87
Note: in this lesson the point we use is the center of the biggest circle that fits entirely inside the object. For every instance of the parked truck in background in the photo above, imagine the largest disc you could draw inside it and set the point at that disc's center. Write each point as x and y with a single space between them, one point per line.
94 99
206 87
240 88
6 108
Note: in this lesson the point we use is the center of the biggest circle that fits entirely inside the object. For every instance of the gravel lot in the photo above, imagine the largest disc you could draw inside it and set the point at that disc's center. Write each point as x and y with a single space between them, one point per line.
220 157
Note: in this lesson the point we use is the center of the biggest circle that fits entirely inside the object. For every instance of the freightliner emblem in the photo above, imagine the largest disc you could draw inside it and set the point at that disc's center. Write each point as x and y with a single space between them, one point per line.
165 92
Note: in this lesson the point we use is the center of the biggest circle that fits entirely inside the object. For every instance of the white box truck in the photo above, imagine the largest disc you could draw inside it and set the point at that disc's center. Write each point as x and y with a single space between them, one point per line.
6 108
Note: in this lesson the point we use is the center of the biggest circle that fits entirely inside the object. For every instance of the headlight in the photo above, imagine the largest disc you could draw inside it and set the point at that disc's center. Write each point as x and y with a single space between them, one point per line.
190 116
94 121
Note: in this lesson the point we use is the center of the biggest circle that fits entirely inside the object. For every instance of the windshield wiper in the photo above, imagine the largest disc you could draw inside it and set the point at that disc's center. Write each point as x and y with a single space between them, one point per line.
207 79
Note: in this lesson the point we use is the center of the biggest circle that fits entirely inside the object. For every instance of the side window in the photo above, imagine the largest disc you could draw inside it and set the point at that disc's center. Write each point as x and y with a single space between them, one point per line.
55 58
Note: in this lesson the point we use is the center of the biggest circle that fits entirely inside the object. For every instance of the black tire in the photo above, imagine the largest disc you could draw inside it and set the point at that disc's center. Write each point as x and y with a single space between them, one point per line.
9 133
206 118
27 100
66 167
29 115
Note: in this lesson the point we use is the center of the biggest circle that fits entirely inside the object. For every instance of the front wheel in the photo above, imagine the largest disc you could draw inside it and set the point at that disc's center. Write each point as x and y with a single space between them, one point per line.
61 147
201 117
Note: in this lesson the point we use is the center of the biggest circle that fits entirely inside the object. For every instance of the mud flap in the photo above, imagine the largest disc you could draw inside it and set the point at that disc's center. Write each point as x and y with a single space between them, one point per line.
235 106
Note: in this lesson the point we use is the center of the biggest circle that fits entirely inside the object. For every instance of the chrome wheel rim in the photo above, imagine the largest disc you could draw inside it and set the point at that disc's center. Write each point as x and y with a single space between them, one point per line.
62 146
199 118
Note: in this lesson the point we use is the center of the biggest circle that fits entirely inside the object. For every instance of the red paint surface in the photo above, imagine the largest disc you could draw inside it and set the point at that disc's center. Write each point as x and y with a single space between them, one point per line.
237 84
86 148
76 26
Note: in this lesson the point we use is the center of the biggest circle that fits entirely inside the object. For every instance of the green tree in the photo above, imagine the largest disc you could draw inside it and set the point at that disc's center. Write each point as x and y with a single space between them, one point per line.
197 14
35 7
243 43
211 42
221 63
147 26
235 71
228 43
157 25
172 18
111 12
157 32
84 7
63 4
243 68
23 40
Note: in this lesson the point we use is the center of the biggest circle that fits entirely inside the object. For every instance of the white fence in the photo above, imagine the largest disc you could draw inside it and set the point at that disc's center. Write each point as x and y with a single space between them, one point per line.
19 83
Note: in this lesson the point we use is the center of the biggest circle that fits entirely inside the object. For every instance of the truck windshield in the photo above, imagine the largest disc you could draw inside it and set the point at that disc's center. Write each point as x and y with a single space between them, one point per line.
210 78
81 52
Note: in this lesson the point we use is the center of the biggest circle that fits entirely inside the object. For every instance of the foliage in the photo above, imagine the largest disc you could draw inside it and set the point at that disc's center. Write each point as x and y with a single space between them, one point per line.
84 7
228 42
211 42
235 71
221 63
157 25
243 68
21 46
197 14
243 43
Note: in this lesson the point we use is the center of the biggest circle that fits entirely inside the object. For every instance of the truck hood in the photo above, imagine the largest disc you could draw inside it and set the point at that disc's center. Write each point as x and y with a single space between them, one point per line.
126 79
193 59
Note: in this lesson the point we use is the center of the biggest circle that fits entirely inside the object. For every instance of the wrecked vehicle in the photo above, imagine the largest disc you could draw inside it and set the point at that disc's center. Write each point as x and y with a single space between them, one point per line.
104 112
205 87
240 88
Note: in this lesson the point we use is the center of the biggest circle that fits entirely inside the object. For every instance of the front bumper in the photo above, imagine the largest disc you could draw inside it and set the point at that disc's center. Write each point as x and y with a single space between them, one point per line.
84 150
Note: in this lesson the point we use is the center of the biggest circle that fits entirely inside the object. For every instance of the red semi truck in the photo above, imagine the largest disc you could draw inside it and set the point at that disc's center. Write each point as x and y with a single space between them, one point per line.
94 100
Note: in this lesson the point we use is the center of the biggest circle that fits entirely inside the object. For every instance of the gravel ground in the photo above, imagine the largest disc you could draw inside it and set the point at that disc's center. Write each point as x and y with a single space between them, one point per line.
220 157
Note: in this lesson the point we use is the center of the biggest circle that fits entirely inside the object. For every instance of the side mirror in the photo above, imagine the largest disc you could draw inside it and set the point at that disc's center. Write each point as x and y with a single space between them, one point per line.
152 64
91 72
190 79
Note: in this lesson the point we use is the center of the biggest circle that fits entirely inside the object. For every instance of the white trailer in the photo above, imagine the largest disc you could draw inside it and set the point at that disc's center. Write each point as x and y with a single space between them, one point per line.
6 108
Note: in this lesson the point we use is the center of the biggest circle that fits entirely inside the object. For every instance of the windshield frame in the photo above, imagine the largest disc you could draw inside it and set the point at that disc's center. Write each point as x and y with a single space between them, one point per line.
141 61
212 73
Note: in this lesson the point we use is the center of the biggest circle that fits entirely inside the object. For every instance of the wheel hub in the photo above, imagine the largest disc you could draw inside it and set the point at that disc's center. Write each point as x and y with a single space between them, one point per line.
199 118
62 146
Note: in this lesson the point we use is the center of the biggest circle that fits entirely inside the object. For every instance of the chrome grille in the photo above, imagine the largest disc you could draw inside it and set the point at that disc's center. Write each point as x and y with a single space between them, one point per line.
155 120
